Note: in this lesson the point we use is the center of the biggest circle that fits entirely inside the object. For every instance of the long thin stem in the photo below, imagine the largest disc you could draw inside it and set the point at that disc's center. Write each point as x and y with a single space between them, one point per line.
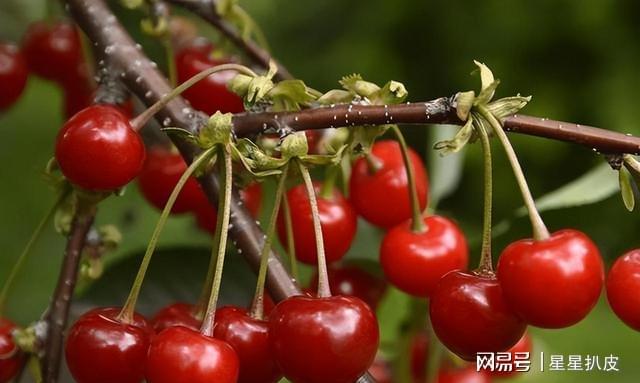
126 315
323 277
140 120
291 244
257 309
222 231
17 266
486 262
540 231
417 223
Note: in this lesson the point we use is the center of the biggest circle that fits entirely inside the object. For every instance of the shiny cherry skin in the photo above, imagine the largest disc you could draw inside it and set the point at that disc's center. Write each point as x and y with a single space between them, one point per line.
160 174
97 149
182 355
552 283
337 219
623 284
249 337
524 345
211 94
13 75
102 349
319 340
53 51
468 374
11 357
176 314
351 280
382 196
206 215
414 262
469 315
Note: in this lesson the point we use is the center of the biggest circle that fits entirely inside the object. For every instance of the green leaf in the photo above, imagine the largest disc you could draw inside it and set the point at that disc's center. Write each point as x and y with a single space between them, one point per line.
507 106
464 103
594 186
486 94
335 96
348 82
458 141
626 189
289 95
392 92
486 77
445 172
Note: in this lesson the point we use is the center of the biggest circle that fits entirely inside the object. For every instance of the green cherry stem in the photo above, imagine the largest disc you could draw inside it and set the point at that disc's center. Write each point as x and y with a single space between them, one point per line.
257 308
417 223
486 263
323 278
222 231
540 231
17 266
291 244
140 120
126 315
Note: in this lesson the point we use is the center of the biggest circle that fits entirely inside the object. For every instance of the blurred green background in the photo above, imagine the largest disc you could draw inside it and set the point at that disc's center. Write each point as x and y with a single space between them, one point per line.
579 60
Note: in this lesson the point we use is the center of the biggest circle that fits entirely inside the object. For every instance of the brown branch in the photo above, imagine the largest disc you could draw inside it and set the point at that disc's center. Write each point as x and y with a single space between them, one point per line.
206 10
58 311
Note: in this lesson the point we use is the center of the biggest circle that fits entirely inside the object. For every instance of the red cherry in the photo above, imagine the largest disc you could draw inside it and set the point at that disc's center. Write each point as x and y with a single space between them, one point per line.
552 283
415 262
469 315
382 196
160 174
319 340
249 337
13 75
11 357
177 314
97 149
182 355
418 351
210 94
101 349
468 374
337 218
524 345
52 50
206 215
623 285
353 281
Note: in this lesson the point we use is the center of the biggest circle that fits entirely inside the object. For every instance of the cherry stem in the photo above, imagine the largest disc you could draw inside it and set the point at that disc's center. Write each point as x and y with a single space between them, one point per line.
139 121
373 165
291 242
222 231
540 231
332 173
486 262
323 277
126 314
417 223
257 308
17 266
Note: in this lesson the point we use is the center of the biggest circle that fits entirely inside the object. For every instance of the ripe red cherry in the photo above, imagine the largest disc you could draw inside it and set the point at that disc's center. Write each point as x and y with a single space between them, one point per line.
337 218
382 196
78 91
210 94
552 283
182 355
206 215
11 357
177 314
13 75
53 51
319 340
160 174
97 149
468 374
249 337
418 352
415 262
353 281
101 349
623 284
524 345
469 315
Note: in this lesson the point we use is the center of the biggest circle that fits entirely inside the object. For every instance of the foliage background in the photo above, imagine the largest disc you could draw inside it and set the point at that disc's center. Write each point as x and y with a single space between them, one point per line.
578 59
